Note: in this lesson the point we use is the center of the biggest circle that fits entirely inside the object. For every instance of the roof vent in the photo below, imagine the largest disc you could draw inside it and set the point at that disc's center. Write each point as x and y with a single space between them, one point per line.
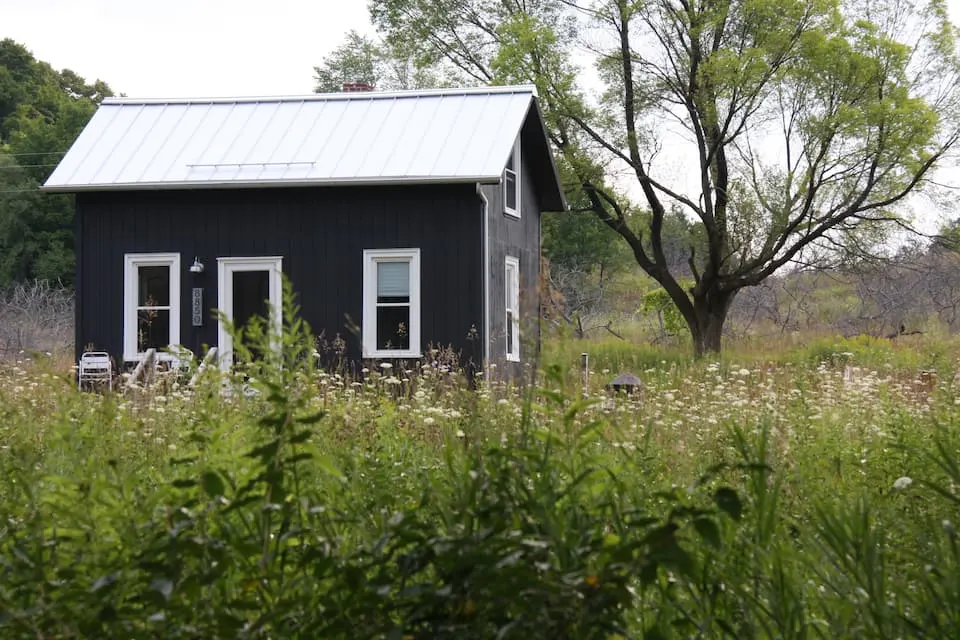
354 87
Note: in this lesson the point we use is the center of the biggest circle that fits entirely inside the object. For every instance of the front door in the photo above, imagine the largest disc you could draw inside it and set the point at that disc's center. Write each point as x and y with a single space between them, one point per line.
248 287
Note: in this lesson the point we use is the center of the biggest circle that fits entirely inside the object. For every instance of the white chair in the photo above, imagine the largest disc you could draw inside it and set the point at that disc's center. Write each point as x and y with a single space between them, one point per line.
95 366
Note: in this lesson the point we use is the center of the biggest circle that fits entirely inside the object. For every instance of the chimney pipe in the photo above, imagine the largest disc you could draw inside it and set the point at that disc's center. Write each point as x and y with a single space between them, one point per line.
355 87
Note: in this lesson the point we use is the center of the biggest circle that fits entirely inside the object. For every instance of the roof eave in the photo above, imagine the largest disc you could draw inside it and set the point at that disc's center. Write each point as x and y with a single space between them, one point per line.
554 200
241 184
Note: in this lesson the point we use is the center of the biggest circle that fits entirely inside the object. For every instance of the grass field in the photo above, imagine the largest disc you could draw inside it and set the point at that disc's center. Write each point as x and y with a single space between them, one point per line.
780 492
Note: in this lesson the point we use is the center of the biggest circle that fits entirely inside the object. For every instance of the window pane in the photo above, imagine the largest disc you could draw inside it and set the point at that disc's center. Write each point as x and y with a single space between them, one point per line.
510 336
153 329
510 162
393 327
393 281
512 286
510 189
251 293
154 286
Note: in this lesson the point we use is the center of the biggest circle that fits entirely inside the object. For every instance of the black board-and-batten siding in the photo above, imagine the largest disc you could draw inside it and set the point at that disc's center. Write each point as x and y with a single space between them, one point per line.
321 233
518 238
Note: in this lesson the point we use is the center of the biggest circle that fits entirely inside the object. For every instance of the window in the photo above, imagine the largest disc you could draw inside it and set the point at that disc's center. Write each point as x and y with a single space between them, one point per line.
151 303
512 285
511 182
391 303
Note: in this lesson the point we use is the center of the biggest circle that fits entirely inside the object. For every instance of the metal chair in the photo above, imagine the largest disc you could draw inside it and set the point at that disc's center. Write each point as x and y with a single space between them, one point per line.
95 366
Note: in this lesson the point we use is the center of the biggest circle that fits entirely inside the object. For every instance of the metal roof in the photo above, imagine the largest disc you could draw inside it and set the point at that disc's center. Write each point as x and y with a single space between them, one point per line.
447 135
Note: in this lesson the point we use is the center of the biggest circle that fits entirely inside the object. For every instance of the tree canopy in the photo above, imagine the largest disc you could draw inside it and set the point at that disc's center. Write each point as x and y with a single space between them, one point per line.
798 127
41 113
386 67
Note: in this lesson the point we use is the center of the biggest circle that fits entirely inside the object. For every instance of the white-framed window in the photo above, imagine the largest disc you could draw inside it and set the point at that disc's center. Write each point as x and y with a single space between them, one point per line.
511 182
512 286
391 303
151 304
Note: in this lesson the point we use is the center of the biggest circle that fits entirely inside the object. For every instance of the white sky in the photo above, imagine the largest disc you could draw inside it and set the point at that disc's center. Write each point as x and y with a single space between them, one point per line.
183 48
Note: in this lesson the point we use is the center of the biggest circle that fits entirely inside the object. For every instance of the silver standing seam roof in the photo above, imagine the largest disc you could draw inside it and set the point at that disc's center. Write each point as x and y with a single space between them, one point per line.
445 135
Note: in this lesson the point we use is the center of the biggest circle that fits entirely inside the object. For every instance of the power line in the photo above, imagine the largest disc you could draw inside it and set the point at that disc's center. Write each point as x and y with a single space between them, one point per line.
34 153
35 190
29 166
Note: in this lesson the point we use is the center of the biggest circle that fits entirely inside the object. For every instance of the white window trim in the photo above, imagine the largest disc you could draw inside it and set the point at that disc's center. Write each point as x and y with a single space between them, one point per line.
131 281
226 267
517 166
511 263
369 326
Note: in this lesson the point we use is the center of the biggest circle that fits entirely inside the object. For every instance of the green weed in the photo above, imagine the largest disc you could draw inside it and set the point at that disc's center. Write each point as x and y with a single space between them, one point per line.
798 497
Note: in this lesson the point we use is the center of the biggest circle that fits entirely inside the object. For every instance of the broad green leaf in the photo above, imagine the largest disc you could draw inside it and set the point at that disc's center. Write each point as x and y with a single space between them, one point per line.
728 501
212 484
708 530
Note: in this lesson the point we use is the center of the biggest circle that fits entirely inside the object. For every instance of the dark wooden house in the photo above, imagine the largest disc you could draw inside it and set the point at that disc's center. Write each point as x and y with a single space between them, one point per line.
415 215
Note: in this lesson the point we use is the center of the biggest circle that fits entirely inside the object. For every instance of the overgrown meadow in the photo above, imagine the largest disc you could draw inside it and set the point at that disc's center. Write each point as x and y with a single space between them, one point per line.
809 493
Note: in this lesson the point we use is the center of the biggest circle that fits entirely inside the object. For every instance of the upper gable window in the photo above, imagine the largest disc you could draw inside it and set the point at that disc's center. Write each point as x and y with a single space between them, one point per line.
391 303
511 182
151 303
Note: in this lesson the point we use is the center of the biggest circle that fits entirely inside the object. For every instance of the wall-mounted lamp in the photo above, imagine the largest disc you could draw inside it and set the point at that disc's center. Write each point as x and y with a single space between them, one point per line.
197 266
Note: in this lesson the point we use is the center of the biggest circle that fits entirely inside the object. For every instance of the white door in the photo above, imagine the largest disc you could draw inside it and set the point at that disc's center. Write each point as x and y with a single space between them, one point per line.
246 287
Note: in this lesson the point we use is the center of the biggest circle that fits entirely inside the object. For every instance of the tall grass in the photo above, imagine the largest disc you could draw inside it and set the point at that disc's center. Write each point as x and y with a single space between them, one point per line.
807 496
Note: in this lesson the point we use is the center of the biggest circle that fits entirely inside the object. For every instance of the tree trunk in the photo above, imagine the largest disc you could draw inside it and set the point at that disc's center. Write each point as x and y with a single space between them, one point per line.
706 327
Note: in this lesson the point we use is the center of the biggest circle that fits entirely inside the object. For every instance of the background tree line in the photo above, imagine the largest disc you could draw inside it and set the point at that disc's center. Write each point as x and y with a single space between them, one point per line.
42 111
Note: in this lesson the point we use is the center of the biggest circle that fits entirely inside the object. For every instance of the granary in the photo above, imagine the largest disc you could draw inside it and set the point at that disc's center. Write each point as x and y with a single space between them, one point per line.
412 215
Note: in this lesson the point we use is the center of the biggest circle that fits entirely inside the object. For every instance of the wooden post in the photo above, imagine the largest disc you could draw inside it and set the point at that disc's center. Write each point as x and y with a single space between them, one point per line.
209 360
145 367
585 372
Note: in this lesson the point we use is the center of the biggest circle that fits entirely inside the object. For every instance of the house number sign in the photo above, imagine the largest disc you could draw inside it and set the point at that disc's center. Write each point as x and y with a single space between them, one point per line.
198 306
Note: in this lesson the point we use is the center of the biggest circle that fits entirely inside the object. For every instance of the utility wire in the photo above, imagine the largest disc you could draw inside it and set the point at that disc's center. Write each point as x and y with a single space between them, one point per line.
36 190
29 166
35 153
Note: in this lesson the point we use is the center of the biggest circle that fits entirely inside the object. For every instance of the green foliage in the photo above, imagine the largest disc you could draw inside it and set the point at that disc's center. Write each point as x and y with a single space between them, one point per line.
41 113
287 502
582 242
659 302
384 65
353 61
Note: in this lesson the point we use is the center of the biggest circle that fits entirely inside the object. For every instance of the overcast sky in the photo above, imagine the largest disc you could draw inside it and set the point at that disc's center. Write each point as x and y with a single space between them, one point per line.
181 48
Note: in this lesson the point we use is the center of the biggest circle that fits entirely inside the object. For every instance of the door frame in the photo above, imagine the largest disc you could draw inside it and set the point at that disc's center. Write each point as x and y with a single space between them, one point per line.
226 267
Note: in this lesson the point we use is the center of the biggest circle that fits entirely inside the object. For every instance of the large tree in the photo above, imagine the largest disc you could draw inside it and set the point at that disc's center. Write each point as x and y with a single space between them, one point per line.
42 111
785 129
